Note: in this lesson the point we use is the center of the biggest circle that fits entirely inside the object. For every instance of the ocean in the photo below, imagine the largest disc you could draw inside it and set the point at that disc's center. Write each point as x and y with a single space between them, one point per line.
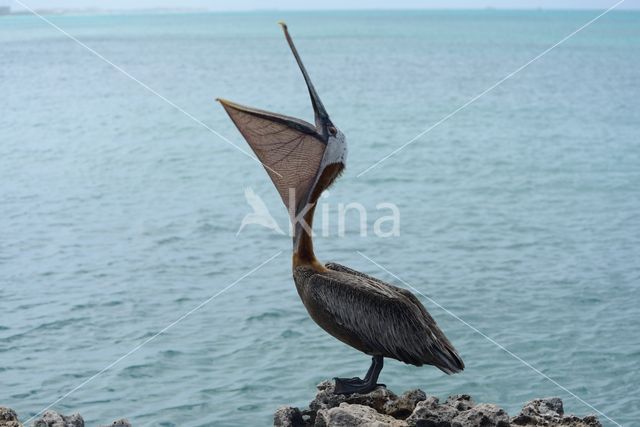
120 212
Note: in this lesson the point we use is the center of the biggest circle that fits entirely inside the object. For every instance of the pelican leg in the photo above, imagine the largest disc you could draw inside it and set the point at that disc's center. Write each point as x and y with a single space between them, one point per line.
357 380
362 386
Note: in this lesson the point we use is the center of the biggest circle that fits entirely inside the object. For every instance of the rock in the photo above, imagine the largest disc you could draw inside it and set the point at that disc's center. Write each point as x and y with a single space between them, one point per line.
549 412
8 418
404 405
381 407
482 415
429 413
122 422
286 416
54 419
549 407
348 415
326 399
461 402
431 402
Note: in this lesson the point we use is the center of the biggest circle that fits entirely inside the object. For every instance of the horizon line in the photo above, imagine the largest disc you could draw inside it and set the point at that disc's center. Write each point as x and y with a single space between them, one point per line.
63 10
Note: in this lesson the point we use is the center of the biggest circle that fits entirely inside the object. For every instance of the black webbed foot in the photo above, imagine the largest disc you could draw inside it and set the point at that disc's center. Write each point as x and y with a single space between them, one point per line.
351 385
354 380
362 386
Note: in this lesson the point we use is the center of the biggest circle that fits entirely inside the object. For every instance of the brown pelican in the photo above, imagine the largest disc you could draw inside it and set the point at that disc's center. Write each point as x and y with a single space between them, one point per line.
372 316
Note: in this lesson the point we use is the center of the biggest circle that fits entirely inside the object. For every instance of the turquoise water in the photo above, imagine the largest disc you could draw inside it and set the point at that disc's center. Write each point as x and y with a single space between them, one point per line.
119 214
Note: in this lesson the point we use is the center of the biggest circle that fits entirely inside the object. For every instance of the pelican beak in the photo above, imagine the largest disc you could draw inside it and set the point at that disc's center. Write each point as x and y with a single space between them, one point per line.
322 117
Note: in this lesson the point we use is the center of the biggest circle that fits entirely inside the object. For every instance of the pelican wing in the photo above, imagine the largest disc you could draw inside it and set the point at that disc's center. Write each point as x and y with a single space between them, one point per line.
290 149
390 321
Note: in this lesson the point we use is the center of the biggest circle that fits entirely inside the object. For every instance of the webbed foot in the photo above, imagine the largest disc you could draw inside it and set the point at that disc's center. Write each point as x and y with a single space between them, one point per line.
362 386
354 385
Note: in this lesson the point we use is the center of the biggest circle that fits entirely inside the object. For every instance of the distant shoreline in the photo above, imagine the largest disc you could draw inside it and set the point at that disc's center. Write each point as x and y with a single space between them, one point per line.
99 11
103 11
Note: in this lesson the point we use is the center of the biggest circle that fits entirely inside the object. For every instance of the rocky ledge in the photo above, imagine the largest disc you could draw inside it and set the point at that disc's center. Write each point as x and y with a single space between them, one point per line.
379 408
382 408
9 418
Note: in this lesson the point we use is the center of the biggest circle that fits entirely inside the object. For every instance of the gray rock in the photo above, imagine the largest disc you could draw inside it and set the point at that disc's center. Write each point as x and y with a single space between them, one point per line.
8 418
431 402
588 421
404 405
550 407
326 399
54 419
430 413
414 408
482 415
350 415
122 422
462 402
286 416
549 412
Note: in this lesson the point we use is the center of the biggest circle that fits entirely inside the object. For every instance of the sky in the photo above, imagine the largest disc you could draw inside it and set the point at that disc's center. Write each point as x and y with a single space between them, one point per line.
218 5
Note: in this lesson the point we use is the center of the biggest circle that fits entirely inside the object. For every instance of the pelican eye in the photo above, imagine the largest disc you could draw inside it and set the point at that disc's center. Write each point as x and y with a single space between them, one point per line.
333 131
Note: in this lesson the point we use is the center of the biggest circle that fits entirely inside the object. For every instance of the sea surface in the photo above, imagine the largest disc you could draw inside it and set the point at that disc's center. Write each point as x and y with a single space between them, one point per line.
119 212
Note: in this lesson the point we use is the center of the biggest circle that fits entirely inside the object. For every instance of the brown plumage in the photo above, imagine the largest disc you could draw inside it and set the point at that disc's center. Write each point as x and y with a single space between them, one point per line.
372 316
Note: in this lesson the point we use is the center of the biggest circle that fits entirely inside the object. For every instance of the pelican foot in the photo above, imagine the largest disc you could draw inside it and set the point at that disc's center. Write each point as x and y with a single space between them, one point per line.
354 385
362 386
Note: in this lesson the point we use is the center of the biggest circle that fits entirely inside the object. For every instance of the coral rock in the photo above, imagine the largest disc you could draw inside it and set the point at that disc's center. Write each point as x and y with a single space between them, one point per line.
123 422
286 416
462 402
382 408
8 418
548 407
429 413
482 415
326 399
404 405
349 415
549 412
54 419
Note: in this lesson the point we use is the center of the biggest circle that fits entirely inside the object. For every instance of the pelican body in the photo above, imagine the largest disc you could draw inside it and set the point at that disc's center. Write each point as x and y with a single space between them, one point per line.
372 316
